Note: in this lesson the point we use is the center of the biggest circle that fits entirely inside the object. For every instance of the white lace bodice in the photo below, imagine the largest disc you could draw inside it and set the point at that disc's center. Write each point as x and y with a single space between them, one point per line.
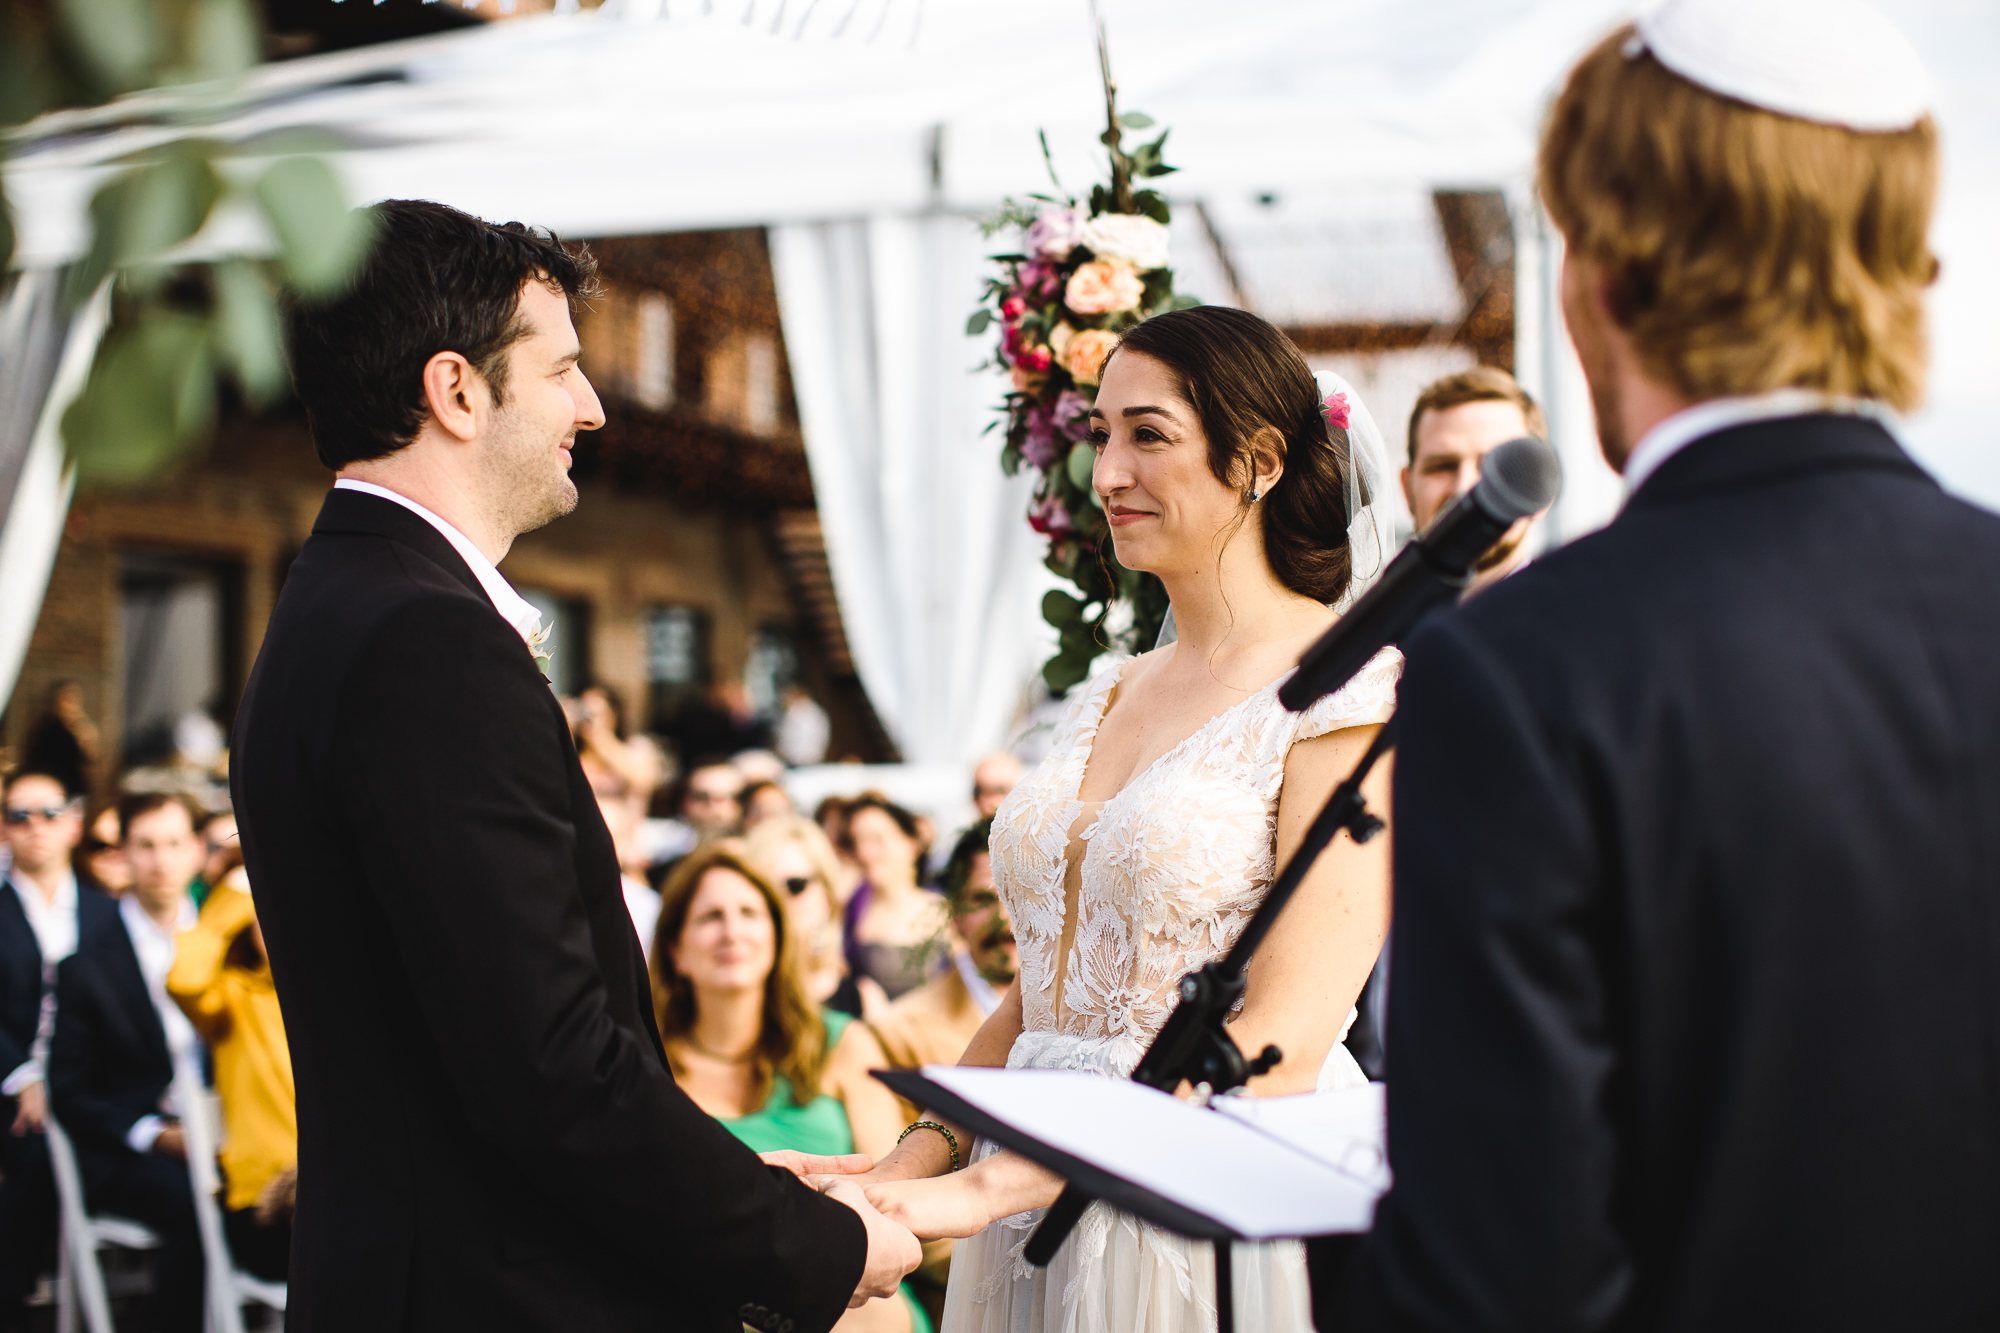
1173 865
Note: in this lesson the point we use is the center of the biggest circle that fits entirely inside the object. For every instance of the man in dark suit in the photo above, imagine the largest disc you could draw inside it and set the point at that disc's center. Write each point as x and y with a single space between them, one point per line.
117 1036
44 907
1694 1019
489 1136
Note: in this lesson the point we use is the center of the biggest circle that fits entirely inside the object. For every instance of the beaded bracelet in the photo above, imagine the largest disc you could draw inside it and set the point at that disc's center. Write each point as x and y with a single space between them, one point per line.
951 1139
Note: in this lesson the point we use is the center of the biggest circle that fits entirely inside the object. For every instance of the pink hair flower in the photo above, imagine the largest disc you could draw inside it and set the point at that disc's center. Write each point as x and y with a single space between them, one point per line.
1335 408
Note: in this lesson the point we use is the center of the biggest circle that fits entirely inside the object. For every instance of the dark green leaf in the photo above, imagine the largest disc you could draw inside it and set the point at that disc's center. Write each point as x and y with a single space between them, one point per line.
981 320
320 239
1061 609
140 214
1063 673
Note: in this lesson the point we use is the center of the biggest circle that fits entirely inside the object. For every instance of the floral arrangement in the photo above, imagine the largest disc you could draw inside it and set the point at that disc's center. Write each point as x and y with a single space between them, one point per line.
1085 274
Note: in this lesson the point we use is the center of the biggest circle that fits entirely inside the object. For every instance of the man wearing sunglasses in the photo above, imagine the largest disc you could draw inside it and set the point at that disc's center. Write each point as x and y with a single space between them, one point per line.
43 910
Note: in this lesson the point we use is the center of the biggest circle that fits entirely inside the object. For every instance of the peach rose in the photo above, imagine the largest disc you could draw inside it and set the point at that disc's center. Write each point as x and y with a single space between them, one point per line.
1103 286
1083 355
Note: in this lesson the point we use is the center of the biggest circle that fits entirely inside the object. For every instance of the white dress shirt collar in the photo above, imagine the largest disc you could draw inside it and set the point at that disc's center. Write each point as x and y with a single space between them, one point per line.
52 920
979 988
1686 426
515 609
155 944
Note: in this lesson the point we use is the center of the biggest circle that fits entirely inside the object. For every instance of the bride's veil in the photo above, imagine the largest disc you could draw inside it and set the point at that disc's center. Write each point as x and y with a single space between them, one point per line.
1371 525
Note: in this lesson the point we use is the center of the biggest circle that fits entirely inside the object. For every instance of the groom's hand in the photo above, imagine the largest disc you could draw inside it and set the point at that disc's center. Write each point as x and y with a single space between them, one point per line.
892 1250
804 1165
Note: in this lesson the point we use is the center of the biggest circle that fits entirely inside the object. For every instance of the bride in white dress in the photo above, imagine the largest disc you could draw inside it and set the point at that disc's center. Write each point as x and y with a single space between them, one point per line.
1177 783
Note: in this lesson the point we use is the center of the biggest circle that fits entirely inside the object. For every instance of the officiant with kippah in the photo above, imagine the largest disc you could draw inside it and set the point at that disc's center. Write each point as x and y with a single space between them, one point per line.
1694 1017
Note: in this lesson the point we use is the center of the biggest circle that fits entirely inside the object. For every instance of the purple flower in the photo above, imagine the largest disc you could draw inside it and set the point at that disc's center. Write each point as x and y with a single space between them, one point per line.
1041 447
1056 232
1050 517
1072 414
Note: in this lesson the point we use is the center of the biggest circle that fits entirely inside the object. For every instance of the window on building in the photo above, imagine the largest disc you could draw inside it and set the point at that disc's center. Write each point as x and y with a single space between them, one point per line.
741 385
628 345
677 661
178 623
771 668
567 620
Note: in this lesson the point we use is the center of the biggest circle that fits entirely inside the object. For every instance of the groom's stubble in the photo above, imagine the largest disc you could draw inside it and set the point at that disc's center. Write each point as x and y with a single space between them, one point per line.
526 483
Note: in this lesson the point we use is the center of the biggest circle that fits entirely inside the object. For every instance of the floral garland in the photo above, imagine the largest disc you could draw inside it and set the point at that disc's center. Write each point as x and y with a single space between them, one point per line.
1085 275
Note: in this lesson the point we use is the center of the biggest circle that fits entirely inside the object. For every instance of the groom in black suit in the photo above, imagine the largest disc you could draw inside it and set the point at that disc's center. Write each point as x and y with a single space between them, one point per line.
1694 1018
489 1137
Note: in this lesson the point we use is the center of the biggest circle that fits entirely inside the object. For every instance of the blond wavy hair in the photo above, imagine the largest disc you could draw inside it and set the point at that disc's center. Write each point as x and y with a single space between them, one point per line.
1744 250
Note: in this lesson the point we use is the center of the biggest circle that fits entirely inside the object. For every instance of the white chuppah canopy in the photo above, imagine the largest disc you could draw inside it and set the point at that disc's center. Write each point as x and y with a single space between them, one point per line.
866 132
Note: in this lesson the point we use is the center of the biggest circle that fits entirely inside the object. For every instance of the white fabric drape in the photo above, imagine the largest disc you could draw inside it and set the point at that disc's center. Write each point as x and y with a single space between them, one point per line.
937 573
45 356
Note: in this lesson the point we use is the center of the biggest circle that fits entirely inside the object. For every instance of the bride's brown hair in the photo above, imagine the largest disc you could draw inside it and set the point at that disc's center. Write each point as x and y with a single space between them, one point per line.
1252 391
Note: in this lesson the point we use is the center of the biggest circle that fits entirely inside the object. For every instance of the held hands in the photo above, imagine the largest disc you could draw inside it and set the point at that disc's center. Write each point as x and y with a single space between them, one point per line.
806 1165
951 1206
892 1250
31 1114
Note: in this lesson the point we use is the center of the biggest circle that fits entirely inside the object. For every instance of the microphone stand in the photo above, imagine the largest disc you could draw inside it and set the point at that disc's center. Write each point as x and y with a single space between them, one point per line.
1194 1045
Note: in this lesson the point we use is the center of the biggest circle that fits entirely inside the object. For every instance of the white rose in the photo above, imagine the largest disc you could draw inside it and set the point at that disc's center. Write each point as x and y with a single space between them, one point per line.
1139 241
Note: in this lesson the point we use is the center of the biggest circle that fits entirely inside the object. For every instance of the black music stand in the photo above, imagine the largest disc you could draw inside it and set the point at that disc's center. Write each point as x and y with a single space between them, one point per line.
1326 1192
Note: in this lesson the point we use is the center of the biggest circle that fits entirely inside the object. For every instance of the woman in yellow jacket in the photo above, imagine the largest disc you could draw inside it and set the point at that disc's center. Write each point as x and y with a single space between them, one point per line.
222 980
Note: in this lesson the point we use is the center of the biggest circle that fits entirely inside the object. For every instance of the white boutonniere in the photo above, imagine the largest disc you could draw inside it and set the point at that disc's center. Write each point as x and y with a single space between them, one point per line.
538 641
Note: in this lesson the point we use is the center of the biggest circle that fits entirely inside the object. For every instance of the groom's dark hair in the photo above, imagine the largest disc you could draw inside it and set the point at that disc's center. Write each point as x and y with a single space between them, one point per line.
434 280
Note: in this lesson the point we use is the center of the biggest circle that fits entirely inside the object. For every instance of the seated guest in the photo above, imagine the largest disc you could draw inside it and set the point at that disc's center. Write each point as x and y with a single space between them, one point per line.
104 854
221 979
1456 422
708 804
893 923
794 854
44 907
765 799
224 851
992 778
748 1046
117 1035
624 812
933 1023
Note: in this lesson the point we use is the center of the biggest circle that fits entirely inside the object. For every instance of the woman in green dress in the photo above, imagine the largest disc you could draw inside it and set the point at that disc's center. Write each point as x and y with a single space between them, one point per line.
748 1046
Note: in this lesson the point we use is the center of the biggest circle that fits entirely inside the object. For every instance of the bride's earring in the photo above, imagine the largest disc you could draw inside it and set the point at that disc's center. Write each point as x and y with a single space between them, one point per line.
1253 497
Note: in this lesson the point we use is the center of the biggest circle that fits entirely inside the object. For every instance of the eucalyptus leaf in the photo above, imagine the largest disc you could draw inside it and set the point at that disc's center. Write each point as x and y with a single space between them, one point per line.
140 214
150 394
1064 672
247 331
1082 460
1136 120
320 239
981 320
222 39
118 39
1060 609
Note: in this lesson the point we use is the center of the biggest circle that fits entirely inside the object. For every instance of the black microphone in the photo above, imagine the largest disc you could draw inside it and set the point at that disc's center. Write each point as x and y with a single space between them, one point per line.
1520 478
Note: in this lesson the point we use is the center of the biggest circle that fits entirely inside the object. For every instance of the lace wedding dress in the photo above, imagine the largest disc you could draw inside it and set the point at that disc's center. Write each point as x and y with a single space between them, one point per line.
1113 902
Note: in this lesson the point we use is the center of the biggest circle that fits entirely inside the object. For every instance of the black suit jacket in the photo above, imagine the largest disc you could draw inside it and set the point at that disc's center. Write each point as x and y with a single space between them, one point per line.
21 980
1694 1016
108 1060
489 1137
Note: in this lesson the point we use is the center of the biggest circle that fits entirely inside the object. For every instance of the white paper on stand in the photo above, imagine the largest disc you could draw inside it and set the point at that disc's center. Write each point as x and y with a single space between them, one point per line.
1267 1168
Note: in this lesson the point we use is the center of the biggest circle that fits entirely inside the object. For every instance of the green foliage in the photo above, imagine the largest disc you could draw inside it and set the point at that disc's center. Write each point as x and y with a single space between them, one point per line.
176 324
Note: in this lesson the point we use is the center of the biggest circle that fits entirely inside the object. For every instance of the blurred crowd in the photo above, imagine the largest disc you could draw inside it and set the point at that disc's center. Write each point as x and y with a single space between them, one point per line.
791 953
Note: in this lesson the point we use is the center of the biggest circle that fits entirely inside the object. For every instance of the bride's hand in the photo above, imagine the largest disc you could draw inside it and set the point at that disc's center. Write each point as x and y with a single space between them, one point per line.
933 1209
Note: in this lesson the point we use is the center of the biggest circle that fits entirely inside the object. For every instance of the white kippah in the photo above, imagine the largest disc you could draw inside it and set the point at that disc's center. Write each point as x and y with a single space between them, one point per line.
1836 61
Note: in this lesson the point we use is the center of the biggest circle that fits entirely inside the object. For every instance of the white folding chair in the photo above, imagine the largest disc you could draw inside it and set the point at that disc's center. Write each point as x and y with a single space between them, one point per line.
80 1278
229 1288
